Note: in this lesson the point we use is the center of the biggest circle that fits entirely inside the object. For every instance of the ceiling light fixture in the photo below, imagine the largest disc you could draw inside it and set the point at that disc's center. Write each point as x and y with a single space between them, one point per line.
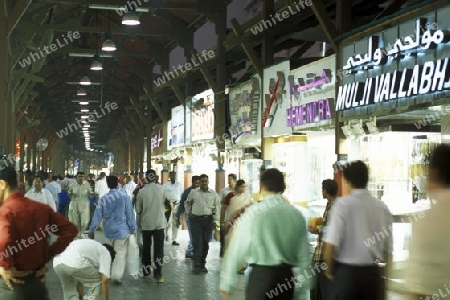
84 103
84 110
81 92
85 80
96 64
130 18
84 117
108 45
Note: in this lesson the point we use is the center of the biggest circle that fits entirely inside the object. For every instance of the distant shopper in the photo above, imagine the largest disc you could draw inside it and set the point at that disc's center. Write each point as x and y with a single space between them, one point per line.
101 188
203 209
25 226
129 186
119 223
175 188
39 194
322 286
349 253
55 188
428 267
79 207
232 178
181 209
85 263
271 235
151 220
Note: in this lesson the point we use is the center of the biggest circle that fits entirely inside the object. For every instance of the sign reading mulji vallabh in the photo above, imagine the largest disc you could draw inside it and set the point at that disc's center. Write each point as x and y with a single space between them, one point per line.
414 64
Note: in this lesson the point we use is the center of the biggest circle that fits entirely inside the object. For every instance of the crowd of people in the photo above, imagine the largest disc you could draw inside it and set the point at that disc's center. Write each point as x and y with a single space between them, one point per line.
266 239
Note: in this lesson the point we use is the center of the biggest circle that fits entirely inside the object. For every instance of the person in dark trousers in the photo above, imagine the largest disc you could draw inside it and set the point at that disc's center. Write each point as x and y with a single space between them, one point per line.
357 236
195 184
203 210
320 291
25 228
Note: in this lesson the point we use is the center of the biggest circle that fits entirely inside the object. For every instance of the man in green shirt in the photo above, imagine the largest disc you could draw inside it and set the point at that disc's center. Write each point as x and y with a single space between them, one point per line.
271 236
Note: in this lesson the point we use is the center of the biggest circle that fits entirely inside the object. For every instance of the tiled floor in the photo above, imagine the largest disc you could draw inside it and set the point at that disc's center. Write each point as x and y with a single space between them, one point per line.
179 283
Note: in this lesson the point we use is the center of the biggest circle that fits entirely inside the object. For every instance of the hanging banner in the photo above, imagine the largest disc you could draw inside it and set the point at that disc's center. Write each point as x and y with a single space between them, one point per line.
157 139
203 116
177 126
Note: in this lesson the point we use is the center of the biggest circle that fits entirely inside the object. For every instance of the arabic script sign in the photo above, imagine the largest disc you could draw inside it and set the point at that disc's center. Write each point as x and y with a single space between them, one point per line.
423 39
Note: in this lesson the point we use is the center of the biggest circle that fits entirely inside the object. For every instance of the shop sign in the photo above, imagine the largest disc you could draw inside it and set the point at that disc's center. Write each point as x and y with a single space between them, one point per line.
309 113
422 79
177 126
274 98
203 117
312 81
244 110
156 139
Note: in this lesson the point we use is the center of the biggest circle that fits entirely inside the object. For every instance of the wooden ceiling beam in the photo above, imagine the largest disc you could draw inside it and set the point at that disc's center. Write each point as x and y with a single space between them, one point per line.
325 21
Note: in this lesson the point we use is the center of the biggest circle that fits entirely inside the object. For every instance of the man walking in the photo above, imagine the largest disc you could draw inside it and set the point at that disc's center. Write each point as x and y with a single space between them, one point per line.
151 220
54 188
79 210
25 227
39 194
322 287
181 209
85 263
351 257
101 187
175 188
117 213
129 186
203 210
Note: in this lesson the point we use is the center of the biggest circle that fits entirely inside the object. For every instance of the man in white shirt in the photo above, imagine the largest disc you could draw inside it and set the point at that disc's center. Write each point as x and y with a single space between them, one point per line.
129 186
55 188
358 234
203 209
175 188
101 188
39 194
152 221
85 262
79 207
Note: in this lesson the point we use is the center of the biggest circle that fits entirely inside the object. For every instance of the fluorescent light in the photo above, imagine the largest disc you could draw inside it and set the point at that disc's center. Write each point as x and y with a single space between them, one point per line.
85 80
84 110
117 7
130 18
108 45
81 92
84 117
84 103
78 54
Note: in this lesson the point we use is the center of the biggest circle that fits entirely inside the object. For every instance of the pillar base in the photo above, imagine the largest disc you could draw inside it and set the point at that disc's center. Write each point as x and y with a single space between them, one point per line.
220 179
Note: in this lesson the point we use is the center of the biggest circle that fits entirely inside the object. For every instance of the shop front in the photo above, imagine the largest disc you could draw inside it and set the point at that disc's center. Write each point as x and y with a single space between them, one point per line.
393 104
244 155
176 145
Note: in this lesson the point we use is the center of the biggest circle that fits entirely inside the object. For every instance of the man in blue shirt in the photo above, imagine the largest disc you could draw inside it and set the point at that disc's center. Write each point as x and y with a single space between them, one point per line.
116 211
184 196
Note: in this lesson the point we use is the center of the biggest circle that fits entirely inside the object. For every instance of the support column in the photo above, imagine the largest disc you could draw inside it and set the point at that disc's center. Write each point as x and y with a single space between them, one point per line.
5 116
268 41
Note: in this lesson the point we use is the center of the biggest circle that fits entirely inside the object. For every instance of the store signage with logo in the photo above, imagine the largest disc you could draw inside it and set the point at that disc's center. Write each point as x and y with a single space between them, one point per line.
419 79
274 98
309 113
244 110
312 81
177 126
203 116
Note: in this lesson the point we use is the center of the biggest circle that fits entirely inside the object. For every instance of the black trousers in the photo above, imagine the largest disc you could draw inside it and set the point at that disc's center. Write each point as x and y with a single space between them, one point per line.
222 241
322 285
32 289
201 229
270 282
356 283
158 252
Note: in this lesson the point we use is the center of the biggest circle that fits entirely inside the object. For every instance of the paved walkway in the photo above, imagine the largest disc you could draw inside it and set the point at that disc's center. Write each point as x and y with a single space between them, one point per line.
179 283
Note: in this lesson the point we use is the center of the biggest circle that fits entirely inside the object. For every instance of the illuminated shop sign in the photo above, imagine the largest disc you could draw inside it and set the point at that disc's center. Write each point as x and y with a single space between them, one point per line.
423 38
312 81
422 79
309 113
273 99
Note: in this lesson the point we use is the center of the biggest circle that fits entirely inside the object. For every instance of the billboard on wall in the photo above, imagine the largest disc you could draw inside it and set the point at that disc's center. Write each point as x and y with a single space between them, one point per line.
177 126
276 100
245 116
157 139
312 90
202 116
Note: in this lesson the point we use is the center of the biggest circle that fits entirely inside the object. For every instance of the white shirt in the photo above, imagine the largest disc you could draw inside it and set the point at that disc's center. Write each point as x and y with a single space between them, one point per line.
44 196
201 203
129 188
360 226
101 188
54 188
428 267
85 253
150 206
175 189
224 192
